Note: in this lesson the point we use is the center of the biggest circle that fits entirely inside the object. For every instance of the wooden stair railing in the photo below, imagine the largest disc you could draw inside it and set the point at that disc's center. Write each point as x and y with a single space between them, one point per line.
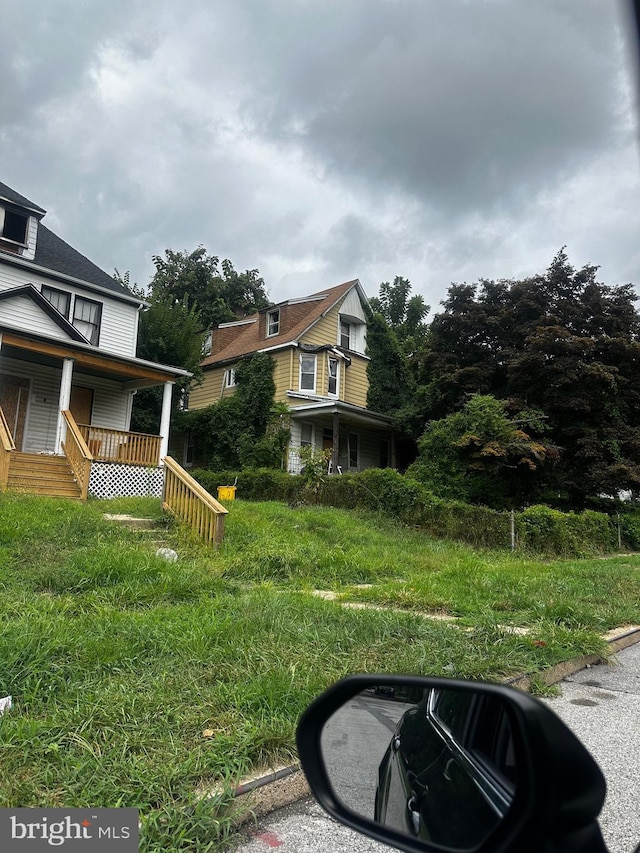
7 445
185 498
77 453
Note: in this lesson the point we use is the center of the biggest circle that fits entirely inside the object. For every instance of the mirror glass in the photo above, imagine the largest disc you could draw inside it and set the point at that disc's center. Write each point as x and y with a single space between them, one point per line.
435 764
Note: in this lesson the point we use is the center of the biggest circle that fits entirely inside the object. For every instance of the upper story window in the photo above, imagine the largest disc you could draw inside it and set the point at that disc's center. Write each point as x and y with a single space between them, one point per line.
273 322
14 226
60 299
345 335
86 318
333 383
308 373
230 378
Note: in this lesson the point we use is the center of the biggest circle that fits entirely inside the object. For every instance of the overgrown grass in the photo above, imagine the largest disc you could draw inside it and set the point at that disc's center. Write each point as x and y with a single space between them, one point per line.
136 681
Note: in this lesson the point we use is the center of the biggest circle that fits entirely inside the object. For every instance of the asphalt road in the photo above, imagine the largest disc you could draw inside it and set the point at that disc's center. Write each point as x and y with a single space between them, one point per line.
601 704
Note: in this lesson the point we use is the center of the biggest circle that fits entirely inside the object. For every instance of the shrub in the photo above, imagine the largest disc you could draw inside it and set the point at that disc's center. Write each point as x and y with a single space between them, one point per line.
463 522
540 528
254 484
630 529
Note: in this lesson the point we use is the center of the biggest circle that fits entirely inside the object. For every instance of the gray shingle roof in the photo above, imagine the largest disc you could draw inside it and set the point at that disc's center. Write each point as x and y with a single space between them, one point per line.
16 198
54 254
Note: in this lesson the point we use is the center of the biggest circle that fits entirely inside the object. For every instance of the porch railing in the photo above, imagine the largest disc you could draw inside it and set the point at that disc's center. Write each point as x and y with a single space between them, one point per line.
113 445
77 453
185 498
6 446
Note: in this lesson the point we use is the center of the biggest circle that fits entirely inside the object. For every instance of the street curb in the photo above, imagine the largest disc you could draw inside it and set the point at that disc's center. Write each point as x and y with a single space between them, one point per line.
561 670
288 784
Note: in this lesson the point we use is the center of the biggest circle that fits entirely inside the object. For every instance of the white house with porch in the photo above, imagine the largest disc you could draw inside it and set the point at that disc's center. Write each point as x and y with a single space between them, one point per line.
68 369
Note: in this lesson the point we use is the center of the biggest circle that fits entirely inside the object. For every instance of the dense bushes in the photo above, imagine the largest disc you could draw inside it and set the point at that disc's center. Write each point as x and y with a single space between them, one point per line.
254 484
538 529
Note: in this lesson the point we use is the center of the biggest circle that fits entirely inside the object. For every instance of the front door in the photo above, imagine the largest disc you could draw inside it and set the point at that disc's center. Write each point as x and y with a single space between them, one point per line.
81 404
14 398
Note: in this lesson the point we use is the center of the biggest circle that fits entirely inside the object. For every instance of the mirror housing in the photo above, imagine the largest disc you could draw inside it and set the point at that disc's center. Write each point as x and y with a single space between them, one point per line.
560 789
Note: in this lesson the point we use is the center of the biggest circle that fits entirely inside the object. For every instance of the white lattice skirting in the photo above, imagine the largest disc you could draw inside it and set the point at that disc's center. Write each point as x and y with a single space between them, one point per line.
114 480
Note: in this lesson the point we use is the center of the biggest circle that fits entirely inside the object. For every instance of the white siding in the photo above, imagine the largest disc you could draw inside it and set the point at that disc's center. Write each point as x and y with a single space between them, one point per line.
110 402
352 307
119 319
352 312
32 234
22 313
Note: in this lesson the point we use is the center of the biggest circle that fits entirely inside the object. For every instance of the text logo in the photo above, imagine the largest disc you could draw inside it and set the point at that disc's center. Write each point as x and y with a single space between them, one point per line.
33 830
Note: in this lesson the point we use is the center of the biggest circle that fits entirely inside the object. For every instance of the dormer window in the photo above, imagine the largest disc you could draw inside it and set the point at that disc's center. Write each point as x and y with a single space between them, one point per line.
273 322
345 335
13 226
207 343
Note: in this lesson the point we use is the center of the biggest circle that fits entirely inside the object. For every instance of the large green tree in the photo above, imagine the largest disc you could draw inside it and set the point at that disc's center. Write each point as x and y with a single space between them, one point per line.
404 314
562 343
213 287
170 333
189 293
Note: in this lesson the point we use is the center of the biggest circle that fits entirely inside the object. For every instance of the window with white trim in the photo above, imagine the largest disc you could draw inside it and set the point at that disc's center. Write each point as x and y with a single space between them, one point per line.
345 335
230 378
273 322
308 372
333 381
86 318
60 299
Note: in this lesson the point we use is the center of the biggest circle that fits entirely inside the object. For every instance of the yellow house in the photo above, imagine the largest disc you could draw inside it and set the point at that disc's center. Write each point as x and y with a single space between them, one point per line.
318 344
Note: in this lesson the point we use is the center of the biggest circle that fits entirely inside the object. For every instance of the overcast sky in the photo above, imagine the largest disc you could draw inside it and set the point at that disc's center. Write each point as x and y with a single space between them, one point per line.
324 140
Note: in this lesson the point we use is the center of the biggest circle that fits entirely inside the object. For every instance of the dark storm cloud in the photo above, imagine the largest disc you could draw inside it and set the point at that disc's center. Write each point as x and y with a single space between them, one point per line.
464 105
322 139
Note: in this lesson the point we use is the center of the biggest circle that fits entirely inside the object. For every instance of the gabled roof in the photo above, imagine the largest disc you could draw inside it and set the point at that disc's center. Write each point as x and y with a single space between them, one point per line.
309 309
29 291
54 254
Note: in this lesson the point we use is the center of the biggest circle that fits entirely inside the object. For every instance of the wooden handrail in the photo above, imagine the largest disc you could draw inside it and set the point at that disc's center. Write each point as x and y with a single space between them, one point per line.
185 498
7 446
77 453
115 445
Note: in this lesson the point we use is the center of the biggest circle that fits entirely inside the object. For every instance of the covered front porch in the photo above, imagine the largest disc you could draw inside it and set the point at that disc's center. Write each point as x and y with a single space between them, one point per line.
353 438
67 399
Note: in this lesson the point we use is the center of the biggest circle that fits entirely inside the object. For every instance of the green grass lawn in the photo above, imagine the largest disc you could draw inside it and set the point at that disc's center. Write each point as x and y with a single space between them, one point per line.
119 662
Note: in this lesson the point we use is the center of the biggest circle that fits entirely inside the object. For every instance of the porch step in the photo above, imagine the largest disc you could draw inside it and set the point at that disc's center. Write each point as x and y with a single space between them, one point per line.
40 474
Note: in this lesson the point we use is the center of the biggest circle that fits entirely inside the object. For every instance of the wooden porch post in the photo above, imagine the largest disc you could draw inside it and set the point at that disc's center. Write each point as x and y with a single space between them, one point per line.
335 450
63 402
165 419
392 448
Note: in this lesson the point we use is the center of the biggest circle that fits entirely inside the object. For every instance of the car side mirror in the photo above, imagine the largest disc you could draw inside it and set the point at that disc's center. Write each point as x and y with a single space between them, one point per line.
439 764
